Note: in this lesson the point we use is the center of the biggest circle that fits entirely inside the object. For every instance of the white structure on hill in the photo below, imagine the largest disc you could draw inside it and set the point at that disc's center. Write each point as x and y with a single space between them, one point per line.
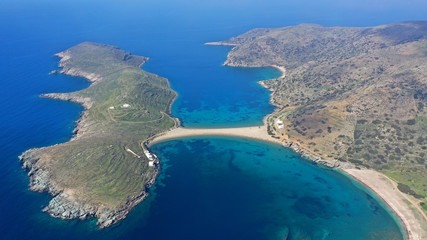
152 158
148 155
279 124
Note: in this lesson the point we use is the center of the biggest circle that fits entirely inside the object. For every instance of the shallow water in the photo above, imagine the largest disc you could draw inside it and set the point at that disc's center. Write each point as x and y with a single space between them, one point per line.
172 33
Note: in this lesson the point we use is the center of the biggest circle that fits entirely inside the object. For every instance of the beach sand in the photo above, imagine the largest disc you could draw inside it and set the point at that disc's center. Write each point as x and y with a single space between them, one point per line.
258 132
281 69
413 218
405 208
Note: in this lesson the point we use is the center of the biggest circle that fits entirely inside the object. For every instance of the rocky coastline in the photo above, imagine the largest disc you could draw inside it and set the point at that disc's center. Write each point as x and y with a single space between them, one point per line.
64 206
75 72
306 154
287 143
66 203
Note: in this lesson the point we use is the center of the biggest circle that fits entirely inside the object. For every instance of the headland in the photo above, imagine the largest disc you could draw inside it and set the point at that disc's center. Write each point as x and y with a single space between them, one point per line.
103 171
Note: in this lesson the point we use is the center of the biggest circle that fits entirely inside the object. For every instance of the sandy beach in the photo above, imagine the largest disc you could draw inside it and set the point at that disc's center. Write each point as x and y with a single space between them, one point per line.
408 211
413 218
220 44
405 208
258 132
281 69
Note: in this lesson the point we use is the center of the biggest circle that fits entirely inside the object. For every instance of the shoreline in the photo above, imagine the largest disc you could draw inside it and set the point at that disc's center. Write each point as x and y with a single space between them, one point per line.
257 132
394 199
220 44
281 69
410 220
64 203
262 83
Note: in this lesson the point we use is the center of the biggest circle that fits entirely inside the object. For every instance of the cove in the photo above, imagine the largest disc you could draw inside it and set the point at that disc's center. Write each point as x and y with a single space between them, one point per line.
234 188
213 96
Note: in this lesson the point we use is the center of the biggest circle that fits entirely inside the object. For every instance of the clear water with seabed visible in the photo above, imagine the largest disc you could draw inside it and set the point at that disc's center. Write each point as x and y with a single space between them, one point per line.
172 33
248 189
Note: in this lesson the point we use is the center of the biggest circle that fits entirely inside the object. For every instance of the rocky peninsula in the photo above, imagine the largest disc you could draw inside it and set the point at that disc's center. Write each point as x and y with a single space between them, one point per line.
102 172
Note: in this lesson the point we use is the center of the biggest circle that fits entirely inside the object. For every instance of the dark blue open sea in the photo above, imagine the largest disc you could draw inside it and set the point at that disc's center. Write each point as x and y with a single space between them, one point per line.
209 188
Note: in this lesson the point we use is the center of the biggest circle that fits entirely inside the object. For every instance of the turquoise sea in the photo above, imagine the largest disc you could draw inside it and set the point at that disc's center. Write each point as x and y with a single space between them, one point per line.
212 187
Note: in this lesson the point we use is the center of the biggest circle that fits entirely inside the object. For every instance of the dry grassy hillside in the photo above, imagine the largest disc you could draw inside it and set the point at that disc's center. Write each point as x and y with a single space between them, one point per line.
358 95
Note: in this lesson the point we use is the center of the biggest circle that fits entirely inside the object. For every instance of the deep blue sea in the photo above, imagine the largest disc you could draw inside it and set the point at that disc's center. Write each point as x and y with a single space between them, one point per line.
218 188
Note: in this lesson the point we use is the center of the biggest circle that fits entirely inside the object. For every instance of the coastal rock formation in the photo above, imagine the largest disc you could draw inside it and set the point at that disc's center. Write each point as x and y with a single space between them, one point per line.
65 205
86 70
86 102
304 153
92 175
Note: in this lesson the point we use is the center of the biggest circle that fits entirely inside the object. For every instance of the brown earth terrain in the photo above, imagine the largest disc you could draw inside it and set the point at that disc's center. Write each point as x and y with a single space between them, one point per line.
350 94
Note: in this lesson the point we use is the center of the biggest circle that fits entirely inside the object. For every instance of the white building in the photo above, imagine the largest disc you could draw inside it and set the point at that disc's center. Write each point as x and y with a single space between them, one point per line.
148 155
111 108
152 158
279 124
125 105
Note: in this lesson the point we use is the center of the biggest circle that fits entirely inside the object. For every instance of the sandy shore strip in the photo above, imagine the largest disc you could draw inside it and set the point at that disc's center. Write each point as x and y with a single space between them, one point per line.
259 132
405 208
220 44
281 69
412 217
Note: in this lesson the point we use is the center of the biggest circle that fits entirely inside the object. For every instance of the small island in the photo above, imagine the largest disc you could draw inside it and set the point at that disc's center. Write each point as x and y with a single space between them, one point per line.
105 169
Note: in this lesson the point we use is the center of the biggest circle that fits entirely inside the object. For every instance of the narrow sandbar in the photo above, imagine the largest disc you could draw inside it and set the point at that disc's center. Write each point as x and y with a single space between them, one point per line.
258 132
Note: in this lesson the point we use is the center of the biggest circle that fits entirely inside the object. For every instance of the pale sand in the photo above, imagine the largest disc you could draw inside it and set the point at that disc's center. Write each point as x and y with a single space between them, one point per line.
221 44
412 217
259 132
281 69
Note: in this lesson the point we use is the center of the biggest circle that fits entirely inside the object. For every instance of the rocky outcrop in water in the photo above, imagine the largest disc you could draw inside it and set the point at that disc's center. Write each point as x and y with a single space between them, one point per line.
304 153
